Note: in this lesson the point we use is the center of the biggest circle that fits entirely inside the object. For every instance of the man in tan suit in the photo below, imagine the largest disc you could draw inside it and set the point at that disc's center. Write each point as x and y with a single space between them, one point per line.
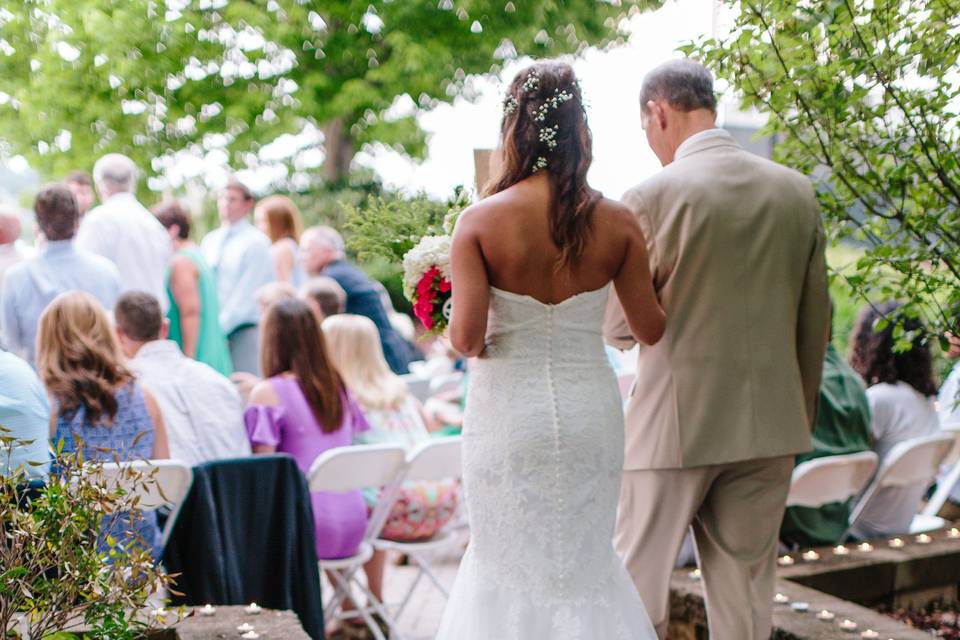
726 399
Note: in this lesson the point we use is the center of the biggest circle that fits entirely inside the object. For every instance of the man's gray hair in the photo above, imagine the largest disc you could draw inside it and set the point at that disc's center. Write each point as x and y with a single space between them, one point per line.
686 85
327 237
115 171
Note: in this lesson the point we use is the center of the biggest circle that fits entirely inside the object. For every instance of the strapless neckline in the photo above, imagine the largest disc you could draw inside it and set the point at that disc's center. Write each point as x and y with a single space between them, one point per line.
528 298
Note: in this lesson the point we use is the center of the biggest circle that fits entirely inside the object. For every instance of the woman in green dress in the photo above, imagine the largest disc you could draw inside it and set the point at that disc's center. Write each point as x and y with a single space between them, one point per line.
192 289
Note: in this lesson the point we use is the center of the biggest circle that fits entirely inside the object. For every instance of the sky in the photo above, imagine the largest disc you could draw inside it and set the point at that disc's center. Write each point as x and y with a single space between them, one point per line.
611 85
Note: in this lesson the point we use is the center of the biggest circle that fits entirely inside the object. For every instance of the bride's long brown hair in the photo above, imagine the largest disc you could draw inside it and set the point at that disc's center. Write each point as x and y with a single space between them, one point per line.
545 97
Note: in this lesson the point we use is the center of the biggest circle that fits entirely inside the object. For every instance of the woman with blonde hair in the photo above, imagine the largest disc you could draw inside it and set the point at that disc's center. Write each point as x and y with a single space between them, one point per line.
395 416
279 218
98 408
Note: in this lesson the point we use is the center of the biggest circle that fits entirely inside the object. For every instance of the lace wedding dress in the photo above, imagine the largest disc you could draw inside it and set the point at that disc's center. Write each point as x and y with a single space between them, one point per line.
542 455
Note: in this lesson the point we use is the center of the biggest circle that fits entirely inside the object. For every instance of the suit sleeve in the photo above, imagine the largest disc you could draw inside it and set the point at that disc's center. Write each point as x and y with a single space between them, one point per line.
813 321
616 331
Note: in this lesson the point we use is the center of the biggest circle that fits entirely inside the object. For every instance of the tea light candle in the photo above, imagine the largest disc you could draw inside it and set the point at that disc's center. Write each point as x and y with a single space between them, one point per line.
245 627
253 608
800 607
811 556
848 625
250 635
866 547
896 543
840 550
786 561
953 533
781 599
923 539
695 574
207 610
869 633
826 616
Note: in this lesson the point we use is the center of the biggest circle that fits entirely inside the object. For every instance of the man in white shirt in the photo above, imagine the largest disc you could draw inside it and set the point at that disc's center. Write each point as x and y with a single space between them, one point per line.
948 402
240 256
123 231
201 408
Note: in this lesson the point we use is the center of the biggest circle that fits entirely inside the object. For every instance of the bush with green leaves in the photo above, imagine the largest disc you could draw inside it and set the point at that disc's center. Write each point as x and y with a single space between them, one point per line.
53 578
863 96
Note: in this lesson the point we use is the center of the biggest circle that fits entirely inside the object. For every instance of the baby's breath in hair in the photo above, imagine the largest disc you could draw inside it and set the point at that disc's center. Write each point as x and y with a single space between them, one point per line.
509 105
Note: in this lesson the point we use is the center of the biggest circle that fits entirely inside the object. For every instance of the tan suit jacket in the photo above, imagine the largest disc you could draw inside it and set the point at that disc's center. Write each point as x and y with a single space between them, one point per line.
736 250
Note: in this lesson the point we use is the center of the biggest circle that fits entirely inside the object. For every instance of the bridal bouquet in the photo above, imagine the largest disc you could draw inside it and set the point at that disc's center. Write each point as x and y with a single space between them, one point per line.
426 281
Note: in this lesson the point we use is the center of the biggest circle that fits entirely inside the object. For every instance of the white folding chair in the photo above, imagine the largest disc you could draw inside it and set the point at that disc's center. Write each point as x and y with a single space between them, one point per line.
435 460
348 469
446 384
948 481
831 479
418 387
913 465
157 483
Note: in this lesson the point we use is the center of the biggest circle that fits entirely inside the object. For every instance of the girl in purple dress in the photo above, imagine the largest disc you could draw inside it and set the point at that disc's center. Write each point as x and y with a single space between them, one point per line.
302 408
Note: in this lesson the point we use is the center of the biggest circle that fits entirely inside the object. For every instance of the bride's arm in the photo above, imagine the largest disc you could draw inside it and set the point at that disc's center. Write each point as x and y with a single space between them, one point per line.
471 288
634 286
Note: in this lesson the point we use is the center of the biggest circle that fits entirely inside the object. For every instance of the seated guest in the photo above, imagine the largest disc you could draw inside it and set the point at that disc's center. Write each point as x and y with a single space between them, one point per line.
30 286
274 292
303 409
201 409
279 218
24 416
900 388
323 254
842 427
194 312
98 405
395 417
324 296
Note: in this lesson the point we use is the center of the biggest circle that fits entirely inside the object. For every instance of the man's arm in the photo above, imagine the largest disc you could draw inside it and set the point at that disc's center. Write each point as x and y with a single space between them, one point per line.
12 336
813 319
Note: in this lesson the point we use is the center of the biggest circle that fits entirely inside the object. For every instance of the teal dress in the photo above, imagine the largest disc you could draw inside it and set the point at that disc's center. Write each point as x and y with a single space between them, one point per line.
211 343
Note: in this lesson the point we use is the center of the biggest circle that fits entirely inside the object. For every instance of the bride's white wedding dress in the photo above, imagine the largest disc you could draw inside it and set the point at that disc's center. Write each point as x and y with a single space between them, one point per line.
542 455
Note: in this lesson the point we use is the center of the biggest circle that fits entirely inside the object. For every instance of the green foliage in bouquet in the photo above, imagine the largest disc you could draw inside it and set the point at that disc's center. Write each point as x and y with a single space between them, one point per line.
53 579
863 97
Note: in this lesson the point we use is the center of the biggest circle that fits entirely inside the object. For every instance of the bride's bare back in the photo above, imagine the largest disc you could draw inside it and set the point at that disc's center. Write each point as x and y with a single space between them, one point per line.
504 241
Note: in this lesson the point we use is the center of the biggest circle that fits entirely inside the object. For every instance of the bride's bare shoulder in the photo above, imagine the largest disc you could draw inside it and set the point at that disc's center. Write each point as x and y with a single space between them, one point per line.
613 213
486 211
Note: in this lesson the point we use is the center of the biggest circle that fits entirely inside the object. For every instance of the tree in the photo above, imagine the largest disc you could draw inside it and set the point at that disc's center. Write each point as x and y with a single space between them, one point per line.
151 77
864 97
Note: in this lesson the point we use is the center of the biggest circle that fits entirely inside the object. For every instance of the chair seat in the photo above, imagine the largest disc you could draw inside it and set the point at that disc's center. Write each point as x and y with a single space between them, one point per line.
364 553
925 524
442 539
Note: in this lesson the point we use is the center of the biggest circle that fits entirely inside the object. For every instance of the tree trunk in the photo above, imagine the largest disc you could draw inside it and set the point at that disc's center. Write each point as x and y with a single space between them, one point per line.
338 145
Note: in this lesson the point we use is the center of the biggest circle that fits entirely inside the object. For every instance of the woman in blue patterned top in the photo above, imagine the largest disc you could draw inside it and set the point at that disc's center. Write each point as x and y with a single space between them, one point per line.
98 407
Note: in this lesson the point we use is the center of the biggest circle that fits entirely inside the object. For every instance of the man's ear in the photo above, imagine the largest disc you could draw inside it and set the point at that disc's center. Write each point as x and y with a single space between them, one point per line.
658 113
165 329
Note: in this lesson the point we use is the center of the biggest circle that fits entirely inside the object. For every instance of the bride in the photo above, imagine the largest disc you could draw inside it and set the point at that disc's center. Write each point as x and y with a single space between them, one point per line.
543 441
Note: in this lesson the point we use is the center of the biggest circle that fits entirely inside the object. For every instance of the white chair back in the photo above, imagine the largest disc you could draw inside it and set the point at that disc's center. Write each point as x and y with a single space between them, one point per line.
948 480
446 384
356 467
156 483
437 459
831 479
419 388
953 428
914 461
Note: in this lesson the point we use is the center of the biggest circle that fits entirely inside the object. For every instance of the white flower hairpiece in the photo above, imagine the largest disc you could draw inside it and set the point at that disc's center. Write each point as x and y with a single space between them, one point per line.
510 105
532 83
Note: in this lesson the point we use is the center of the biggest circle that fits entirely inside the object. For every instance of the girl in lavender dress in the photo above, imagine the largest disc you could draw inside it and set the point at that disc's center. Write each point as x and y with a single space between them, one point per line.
302 408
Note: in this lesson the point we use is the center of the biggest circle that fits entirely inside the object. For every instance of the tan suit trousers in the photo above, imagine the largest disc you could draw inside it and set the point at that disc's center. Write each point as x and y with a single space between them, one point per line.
735 511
